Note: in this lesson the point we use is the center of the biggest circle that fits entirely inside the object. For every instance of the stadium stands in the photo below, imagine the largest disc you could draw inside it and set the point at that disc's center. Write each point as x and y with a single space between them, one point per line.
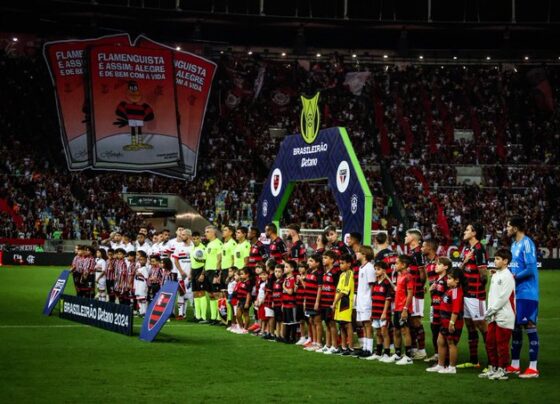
419 108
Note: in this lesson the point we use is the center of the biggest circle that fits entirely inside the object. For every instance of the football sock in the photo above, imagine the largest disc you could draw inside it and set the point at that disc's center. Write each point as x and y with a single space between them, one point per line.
386 351
421 337
213 309
197 307
533 347
516 344
408 351
370 344
473 346
398 351
413 336
143 306
204 307
379 349
181 305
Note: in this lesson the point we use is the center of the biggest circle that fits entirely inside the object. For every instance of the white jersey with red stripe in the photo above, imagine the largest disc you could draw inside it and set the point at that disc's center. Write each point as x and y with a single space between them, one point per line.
183 254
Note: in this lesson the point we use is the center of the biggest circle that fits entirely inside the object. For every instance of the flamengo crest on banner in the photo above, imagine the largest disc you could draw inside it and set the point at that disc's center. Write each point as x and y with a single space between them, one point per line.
310 118
159 311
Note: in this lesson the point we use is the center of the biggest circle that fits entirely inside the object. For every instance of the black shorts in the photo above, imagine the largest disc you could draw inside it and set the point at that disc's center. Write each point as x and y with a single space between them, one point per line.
278 314
451 336
312 313
223 277
300 313
196 285
241 304
289 315
327 314
212 280
397 320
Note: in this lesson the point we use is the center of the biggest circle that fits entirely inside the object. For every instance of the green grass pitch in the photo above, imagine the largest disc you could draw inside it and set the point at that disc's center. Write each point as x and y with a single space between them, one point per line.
47 359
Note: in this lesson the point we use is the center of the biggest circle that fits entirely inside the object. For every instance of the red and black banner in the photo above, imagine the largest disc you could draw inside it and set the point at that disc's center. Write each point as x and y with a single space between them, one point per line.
159 311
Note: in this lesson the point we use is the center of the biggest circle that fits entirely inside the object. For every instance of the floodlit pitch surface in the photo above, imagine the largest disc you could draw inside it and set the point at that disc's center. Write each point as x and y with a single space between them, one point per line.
46 359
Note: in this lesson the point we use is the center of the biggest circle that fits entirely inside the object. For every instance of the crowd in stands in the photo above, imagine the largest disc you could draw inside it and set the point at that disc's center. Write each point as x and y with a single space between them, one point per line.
416 107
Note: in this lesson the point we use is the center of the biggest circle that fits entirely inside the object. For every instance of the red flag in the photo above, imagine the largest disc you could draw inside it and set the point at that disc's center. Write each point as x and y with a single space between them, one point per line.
442 222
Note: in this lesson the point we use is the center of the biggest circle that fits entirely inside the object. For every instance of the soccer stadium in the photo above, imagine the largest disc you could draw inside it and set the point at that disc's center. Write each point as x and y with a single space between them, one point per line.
261 201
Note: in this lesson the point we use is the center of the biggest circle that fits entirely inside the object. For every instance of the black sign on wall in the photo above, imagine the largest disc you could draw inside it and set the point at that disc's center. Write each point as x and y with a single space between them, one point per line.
106 315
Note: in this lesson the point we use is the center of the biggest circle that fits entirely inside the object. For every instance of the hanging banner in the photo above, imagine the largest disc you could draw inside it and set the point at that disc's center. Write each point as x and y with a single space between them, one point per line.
133 108
55 292
106 315
193 81
159 311
66 61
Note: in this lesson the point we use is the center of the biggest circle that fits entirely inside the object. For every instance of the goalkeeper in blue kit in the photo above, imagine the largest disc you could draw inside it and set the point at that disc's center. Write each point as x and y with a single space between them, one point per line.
524 269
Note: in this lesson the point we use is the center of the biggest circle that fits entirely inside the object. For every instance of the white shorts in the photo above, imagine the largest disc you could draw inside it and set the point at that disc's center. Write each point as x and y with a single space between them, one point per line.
140 289
363 315
474 308
268 312
101 283
417 307
379 324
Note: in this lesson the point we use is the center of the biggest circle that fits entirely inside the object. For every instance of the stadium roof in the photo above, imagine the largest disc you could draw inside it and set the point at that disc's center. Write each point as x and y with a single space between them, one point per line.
505 26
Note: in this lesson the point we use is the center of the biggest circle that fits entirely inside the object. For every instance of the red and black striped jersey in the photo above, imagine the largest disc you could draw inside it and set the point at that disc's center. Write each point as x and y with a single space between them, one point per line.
120 268
87 265
277 292
268 291
289 300
328 289
414 269
313 281
390 258
138 112
242 290
258 253
439 288
356 270
76 263
431 270
110 270
380 293
476 285
298 251
277 249
300 290
340 248
452 303
155 275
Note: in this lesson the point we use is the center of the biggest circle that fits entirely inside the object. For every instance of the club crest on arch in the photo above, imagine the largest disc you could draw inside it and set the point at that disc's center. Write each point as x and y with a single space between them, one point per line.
310 118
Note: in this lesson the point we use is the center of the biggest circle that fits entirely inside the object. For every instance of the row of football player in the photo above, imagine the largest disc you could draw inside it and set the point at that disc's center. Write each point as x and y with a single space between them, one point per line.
457 297
473 269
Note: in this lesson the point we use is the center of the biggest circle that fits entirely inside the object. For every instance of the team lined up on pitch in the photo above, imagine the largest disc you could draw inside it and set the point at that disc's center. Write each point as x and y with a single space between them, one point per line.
348 288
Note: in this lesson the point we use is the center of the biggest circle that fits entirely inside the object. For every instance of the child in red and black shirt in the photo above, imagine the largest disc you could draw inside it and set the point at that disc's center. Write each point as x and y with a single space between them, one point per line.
437 290
381 297
313 282
243 295
277 287
327 294
305 334
451 310
289 302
